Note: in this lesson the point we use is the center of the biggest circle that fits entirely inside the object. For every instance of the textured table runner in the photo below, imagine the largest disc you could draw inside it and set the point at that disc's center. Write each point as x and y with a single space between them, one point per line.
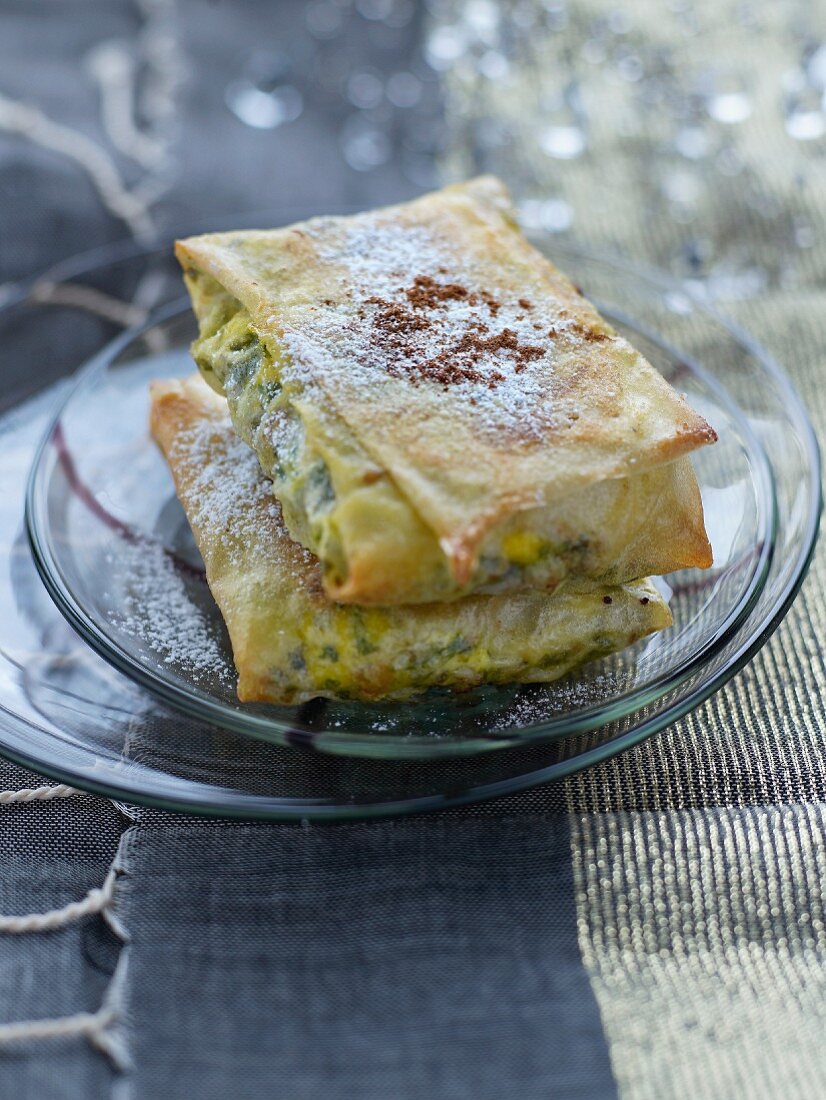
650 928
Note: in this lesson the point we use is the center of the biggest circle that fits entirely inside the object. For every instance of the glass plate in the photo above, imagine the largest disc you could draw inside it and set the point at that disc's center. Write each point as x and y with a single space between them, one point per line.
115 551
93 488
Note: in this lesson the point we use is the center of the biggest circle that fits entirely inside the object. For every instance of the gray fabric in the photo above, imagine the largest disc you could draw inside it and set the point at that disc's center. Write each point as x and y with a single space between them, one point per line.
410 960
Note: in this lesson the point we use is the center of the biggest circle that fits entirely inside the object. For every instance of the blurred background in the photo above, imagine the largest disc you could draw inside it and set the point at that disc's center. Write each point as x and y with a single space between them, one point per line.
691 133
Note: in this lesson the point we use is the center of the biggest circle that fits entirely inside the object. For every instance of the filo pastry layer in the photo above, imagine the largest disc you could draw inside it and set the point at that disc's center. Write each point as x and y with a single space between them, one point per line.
439 409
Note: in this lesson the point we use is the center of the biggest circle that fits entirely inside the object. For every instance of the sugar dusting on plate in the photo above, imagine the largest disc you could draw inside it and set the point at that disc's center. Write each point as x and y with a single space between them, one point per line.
159 609
561 697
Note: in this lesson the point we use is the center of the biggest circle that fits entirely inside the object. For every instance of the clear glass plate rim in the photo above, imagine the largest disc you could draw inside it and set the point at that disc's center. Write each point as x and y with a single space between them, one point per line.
206 709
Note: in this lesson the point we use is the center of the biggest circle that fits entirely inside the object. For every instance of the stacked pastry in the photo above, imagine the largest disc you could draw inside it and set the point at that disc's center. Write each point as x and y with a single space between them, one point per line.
417 456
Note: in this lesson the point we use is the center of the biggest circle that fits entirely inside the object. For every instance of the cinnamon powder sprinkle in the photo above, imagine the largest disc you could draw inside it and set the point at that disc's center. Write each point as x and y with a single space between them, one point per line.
396 326
426 293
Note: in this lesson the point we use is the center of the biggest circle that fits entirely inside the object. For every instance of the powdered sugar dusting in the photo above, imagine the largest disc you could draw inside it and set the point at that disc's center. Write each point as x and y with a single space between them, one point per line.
378 254
564 696
159 609
229 499
418 313
228 494
285 431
